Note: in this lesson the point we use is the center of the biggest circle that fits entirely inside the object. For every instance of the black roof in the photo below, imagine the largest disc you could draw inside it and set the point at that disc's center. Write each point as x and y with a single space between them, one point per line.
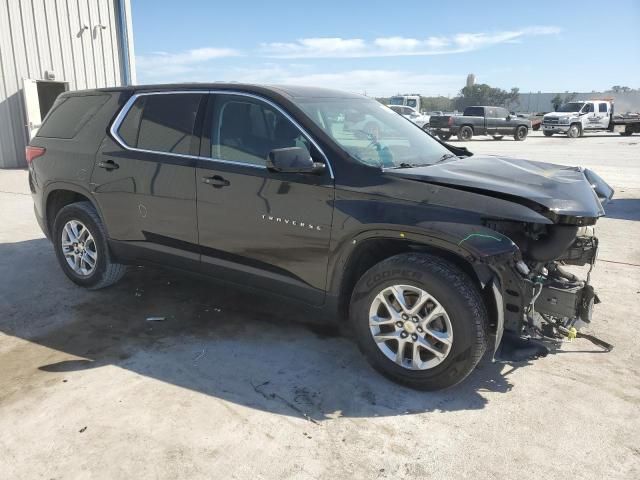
291 91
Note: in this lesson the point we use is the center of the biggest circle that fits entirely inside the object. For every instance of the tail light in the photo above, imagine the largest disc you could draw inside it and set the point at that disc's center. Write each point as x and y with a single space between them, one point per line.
31 153
450 121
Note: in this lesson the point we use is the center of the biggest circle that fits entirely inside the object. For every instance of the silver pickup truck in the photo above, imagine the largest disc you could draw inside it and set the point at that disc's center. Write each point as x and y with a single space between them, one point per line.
494 121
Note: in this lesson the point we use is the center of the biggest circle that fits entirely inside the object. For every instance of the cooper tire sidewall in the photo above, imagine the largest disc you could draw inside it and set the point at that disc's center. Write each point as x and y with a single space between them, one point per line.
444 294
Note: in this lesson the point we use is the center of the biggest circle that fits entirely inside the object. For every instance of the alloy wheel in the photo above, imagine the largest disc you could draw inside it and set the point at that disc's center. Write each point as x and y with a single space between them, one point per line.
410 327
79 248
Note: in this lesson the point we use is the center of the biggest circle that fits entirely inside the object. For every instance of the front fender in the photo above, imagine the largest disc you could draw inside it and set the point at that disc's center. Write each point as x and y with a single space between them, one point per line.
475 244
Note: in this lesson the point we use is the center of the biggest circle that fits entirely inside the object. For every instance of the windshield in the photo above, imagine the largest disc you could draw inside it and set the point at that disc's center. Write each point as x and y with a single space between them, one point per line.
571 107
396 101
373 134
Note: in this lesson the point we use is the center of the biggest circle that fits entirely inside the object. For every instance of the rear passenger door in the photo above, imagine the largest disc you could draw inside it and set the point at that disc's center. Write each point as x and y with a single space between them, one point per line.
602 115
144 177
257 227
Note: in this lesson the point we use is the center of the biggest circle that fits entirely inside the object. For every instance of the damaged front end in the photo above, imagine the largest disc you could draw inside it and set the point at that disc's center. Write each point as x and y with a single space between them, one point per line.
558 206
540 298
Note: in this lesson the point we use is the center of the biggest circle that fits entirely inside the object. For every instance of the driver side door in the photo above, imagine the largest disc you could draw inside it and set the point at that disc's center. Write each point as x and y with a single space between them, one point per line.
256 227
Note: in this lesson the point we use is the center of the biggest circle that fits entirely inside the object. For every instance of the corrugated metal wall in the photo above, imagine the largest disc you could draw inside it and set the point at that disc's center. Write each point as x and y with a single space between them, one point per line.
78 40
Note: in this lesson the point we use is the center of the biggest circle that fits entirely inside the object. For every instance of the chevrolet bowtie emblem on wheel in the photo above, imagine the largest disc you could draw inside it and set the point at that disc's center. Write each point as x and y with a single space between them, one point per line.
294 223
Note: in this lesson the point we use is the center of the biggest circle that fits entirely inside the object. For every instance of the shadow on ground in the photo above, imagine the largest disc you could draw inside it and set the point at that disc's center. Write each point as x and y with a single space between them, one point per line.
216 340
623 208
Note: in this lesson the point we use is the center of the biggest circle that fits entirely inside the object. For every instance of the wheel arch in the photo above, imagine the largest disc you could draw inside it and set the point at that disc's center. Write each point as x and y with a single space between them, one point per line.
60 194
369 248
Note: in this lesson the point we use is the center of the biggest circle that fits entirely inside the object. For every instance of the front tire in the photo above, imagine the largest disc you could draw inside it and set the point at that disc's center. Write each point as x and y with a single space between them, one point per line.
419 320
574 131
80 243
465 133
520 135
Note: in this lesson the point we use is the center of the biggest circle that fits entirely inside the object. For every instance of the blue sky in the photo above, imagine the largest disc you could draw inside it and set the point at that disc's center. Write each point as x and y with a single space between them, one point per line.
385 47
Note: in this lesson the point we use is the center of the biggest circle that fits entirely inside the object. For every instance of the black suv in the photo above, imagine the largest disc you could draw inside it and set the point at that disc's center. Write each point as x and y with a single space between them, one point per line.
429 252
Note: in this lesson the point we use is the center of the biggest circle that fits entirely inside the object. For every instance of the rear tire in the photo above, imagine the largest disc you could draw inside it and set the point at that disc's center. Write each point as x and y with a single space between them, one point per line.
574 131
548 134
520 135
93 267
465 133
456 335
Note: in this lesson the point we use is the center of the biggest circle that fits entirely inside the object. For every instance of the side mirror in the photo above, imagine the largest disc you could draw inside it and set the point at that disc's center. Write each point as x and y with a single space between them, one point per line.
293 160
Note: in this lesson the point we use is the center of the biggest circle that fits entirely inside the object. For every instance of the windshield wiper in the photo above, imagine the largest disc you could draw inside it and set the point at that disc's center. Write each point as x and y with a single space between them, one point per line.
406 165
445 157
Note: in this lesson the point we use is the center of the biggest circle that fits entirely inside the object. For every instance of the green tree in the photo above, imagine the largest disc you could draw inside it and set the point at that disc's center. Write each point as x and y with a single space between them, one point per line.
483 94
556 102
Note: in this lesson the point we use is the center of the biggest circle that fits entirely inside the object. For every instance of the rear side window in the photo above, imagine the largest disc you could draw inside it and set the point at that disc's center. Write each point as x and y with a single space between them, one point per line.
603 108
474 112
70 114
161 123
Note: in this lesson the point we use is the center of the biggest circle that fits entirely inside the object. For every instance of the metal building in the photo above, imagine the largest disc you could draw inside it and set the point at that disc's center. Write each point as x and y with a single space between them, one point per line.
49 46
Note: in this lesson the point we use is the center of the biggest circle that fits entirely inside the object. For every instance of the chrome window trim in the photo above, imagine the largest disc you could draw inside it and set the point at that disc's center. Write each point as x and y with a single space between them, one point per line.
113 130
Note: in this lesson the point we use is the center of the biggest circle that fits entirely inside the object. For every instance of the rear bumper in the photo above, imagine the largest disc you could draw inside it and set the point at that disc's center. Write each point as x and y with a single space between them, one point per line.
437 130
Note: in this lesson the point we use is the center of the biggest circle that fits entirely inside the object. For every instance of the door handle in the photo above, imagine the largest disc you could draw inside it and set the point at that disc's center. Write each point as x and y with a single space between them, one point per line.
216 181
108 165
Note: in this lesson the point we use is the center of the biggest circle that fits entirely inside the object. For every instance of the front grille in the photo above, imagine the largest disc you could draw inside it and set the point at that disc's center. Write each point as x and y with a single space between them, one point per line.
551 120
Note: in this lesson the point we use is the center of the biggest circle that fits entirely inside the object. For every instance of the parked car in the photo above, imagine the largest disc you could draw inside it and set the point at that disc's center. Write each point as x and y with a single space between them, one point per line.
429 253
576 118
411 114
494 121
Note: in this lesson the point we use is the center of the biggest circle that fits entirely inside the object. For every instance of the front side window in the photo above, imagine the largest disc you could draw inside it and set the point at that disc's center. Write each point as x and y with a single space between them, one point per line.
571 107
245 130
588 108
161 122
371 133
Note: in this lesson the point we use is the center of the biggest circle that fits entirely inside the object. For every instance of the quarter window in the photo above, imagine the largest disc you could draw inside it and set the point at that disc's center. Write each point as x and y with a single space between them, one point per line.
70 114
161 123
245 130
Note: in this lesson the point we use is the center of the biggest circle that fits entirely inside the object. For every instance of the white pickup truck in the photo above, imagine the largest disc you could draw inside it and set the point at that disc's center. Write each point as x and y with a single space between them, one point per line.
576 118
410 113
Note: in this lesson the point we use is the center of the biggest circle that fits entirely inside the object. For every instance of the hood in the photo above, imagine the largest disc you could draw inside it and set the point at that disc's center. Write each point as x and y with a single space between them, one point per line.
561 191
560 114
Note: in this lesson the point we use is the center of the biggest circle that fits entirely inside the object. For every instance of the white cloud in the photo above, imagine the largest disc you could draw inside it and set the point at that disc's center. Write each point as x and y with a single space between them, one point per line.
170 65
336 47
373 82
